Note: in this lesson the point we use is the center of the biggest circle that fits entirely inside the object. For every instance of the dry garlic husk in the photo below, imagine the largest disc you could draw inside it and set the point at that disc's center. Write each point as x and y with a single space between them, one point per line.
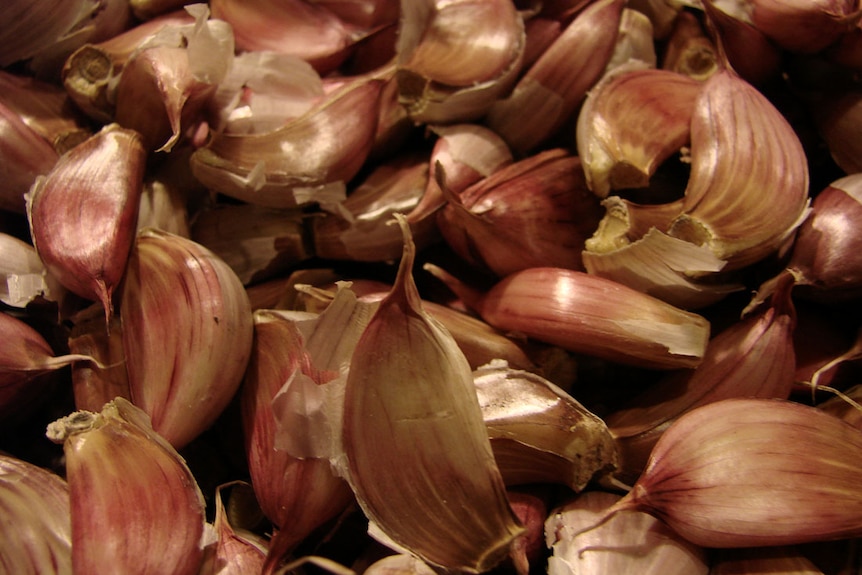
90 74
100 181
804 26
456 58
762 560
825 255
753 472
235 551
540 433
24 156
466 153
635 41
570 309
307 160
753 357
839 406
36 532
95 384
556 84
748 50
536 212
631 122
730 195
187 333
305 29
46 108
23 277
26 363
362 231
296 494
689 49
414 438
631 542
136 507
256 242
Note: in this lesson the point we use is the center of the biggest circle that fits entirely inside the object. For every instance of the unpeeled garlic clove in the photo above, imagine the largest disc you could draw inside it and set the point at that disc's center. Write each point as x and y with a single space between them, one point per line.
130 493
762 560
456 58
631 542
36 533
631 122
753 357
307 160
570 309
411 416
187 333
726 204
539 433
753 472
235 551
536 212
837 115
25 156
101 181
558 81
804 26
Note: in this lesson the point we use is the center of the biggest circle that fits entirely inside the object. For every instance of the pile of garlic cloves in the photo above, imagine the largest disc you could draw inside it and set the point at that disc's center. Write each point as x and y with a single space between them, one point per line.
424 286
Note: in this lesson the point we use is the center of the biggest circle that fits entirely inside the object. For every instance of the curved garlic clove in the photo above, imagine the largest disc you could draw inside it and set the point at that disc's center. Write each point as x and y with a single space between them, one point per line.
570 309
130 493
753 472
631 542
99 180
539 433
804 26
753 357
363 230
36 533
25 156
726 203
556 84
304 29
752 55
455 58
466 154
837 117
302 161
536 212
633 120
782 559
187 333
235 550
411 416
689 49
45 24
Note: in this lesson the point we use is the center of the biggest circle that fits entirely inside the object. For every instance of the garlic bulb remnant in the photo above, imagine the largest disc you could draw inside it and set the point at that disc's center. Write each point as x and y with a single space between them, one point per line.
414 438
187 333
130 493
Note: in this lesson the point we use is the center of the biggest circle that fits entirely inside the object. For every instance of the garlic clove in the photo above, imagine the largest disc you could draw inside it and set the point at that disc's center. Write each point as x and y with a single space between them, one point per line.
753 472
635 41
130 492
399 564
689 49
753 357
631 542
95 384
235 550
837 116
631 122
303 161
145 10
725 204
101 181
803 26
456 58
570 309
36 533
536 212
25 156
556 84
414 438
187 333
539 433
45 24
763 560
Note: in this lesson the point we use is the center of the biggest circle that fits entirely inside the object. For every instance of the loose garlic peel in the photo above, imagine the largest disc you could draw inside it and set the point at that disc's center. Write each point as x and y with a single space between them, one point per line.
414 438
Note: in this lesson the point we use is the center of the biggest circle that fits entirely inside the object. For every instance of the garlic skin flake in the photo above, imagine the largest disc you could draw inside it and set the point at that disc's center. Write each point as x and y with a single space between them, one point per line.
417 452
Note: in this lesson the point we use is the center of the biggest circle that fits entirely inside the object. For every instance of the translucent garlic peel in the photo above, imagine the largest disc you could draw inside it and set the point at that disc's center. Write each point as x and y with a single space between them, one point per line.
414 438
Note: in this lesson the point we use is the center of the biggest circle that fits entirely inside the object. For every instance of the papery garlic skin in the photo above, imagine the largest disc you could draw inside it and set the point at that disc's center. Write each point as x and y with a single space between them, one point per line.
131 493
187 333
99 180
36 531
417 453
754 472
